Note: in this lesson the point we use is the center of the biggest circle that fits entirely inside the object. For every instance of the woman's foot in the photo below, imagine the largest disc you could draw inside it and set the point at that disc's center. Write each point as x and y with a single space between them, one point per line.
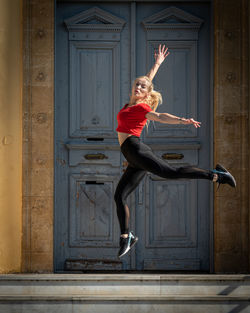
224 177
126 243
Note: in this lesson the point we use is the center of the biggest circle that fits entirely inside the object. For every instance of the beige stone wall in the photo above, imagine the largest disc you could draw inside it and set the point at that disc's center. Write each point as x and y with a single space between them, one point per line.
231 133
38 125
10 135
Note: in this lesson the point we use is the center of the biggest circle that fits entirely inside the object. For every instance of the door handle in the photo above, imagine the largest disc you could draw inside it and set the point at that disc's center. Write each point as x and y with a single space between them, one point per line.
97 156
172 156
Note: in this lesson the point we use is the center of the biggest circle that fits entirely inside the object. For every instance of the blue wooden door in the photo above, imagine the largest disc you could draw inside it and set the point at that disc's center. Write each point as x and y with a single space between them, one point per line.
100 49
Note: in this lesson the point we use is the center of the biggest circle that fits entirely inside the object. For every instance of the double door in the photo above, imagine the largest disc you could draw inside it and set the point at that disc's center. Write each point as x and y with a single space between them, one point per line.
100 49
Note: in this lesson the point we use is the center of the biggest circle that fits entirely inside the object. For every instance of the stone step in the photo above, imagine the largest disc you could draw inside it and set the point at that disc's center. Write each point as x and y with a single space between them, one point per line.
108 298
125 284
108 293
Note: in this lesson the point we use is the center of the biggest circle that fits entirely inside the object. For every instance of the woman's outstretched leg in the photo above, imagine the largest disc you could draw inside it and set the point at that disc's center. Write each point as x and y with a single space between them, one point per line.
141 156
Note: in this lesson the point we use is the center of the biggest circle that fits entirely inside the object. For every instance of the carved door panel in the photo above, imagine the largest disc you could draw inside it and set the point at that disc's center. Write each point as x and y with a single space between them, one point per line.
99 51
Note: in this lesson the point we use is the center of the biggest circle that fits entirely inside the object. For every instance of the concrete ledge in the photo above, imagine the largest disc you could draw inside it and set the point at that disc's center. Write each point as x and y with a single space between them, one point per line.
124 277
93 298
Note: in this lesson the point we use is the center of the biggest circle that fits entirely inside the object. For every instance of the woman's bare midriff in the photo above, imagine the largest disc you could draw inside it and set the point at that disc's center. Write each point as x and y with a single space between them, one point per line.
122 137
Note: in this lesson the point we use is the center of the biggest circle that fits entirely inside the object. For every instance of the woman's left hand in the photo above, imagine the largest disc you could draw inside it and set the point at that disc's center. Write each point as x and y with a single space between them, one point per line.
161 55
191 121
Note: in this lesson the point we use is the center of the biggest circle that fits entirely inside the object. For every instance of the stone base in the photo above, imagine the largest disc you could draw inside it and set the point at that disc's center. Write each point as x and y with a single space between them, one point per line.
124 293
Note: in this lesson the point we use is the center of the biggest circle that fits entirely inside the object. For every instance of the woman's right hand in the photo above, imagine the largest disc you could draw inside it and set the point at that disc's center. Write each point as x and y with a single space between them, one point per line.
161 55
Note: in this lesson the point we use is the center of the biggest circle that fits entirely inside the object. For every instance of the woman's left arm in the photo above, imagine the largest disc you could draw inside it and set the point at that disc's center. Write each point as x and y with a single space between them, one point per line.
171 119
159 58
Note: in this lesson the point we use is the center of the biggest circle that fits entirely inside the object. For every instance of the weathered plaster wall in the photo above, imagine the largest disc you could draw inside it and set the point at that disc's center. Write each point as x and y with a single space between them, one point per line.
10 135
38 136
231 137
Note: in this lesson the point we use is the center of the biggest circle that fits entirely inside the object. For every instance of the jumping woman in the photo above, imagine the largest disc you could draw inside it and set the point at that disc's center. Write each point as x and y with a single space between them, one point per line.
141 159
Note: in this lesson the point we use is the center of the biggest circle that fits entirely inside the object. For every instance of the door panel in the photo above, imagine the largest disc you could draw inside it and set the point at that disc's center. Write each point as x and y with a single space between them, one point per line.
97 49
99 63
177 81
91 211
171 224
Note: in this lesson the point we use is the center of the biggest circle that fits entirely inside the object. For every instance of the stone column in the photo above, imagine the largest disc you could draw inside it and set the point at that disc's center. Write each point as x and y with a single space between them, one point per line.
38 136
231 133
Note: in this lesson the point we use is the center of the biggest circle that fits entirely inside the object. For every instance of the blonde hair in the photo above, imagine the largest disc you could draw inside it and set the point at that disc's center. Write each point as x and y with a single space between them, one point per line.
154 97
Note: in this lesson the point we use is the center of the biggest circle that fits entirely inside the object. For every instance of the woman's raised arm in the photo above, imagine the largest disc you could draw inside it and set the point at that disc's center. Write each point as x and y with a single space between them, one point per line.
159 58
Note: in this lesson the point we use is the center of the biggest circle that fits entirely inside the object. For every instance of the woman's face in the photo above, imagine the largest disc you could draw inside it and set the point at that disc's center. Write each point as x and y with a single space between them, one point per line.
140 89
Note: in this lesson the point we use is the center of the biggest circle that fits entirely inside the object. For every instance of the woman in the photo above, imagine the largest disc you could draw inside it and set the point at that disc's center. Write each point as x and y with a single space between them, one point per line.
131 120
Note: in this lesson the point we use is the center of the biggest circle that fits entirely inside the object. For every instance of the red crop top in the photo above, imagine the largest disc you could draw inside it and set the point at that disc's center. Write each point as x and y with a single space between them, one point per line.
131 120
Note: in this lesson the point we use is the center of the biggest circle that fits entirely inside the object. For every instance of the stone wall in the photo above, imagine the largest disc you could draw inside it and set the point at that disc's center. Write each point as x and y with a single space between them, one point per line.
38 127
231 133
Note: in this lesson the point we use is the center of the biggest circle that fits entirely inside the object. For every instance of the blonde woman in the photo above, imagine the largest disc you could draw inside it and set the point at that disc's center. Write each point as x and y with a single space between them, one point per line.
141 159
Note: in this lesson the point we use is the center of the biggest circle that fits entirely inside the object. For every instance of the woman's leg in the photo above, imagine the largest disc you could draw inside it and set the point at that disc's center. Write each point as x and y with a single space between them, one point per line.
154 164
128 182
140 155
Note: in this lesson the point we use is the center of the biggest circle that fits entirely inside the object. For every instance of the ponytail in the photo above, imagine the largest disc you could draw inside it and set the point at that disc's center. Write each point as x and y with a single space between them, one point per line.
154 99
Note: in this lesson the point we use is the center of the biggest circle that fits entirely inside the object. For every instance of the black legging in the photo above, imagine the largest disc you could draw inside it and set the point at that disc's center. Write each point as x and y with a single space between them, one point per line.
141 160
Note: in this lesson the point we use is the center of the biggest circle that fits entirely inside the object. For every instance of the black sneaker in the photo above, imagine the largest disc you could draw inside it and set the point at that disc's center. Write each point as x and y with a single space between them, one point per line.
126 244
224 177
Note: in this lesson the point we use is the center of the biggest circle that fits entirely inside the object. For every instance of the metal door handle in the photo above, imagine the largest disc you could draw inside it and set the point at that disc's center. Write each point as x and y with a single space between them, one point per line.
172 156
97 156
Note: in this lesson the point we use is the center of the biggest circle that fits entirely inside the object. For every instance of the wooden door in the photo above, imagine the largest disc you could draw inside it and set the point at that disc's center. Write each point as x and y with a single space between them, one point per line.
100 49
175 214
